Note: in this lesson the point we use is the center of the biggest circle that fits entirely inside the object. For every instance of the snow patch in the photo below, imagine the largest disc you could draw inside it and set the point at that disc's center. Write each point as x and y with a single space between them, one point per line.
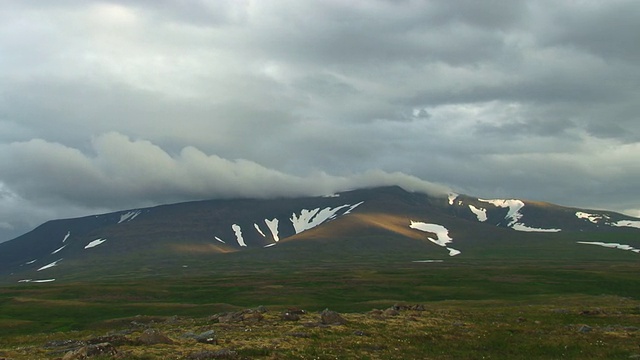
331 196
442 235
269 245
236 229
222 241
129 216
611 245
55 263
452 197
428 261
31 262
66 236
594 218
514 215
353 207
36 281
309 219
57 250
95 243
481 213
259 230
273 227
627 223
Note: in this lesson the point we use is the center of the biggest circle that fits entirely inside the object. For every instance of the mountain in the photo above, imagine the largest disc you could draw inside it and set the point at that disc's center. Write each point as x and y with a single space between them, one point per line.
368 225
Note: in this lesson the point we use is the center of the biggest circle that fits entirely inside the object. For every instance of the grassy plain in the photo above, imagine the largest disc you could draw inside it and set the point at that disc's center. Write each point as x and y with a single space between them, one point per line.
474 309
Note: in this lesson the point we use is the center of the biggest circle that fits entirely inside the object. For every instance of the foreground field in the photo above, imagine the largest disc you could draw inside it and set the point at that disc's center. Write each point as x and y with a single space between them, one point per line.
462 311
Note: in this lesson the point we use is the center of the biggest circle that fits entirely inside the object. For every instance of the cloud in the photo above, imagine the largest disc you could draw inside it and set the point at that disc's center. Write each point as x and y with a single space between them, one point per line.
124 172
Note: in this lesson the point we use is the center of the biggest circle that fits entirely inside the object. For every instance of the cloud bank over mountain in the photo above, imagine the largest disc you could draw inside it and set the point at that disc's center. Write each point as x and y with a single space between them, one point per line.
112 104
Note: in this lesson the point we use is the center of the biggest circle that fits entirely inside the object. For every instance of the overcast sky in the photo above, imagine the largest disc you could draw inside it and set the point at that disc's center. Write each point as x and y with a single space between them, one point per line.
110 105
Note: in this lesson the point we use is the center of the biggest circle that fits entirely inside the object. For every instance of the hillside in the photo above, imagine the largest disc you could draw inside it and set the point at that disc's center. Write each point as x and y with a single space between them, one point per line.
381 224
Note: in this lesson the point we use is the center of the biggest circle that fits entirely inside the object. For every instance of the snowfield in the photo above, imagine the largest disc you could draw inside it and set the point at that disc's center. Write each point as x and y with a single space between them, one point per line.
611 245
58 249
48 266
273 227
129 216
308 219
442 235
627 223
596 218
238 231
514 215
481 213
95 243
66 236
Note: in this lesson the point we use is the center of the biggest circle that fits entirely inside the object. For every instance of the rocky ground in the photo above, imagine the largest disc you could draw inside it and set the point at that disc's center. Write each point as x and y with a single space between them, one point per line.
397 332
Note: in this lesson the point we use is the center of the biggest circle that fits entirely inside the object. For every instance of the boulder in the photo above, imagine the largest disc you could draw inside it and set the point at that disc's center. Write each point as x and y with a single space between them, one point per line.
153 337
329 317
85 352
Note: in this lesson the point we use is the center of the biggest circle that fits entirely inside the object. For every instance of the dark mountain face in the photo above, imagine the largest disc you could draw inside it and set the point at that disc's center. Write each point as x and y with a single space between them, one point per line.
381 223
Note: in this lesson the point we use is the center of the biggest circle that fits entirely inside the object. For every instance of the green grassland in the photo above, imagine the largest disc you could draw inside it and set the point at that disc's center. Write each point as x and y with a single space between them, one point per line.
518 298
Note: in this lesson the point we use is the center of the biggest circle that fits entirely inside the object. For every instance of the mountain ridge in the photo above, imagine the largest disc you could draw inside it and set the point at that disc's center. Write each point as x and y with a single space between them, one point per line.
448 227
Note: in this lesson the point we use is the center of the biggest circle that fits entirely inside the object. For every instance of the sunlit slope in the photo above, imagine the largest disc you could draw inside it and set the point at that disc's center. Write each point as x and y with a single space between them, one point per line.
381 224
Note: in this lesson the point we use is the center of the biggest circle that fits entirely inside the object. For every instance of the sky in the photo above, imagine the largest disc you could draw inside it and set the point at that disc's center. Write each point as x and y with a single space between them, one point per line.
113 105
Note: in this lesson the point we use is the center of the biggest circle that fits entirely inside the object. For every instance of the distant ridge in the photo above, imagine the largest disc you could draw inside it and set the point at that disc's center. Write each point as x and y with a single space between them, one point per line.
386 223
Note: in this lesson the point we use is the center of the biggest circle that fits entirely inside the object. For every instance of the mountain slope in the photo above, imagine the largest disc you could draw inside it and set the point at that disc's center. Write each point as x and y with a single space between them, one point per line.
386 223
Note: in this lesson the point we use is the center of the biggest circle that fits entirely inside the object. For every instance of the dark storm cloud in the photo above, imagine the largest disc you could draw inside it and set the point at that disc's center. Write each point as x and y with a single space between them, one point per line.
130 103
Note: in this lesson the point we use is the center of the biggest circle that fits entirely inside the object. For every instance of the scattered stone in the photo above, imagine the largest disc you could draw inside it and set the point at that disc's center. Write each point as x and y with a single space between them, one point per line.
64 343
521 320
585 329
299 334
289 316
207 337
207 354
115 340
416 307
360 333
231 317
329 317
252 317
172 320
85 352
261 309
295 310
391 312
592 312
153 337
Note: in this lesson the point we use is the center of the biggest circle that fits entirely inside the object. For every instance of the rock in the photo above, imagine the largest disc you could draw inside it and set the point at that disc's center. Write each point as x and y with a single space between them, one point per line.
585 329
252 317
85 352
289 316
115 340
592 312
295 310
329 317
64 343
207 337
232 317
299 334
152 337
391 312
261 309
360 333
207 354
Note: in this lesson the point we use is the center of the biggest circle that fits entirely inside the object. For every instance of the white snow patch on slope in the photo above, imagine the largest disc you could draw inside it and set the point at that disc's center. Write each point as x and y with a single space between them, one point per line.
627 223
428 261
222 241
442 234
269 245
514 215
273 227
353 207
36 281
259 230
452 197
236 229
95 243
129 216
332 196
57 250
66 236
611 245
481 213
55 263
309 219
31 262
594 218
